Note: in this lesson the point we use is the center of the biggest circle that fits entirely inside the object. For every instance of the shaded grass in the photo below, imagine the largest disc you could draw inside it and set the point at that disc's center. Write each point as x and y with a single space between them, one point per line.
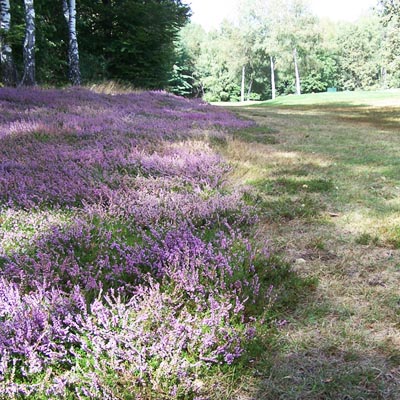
257 134
327 192
293 186
359 161
285 208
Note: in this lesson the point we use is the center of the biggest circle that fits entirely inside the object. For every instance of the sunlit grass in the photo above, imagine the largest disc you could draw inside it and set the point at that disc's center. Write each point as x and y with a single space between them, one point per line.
373 98
328 194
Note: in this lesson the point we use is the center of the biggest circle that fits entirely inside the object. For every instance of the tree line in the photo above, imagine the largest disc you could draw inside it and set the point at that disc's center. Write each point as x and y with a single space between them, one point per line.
280 47
127 40
276 47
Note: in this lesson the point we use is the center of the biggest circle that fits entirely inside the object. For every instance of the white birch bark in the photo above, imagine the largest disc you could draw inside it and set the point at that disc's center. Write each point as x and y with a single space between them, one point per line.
66 10
273 89
384 78
249 89
243 81
28 78
296 70
6 59
74 74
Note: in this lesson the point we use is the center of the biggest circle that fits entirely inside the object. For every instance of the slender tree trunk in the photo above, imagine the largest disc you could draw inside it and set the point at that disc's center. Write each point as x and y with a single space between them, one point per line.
66 11
9 71
74 73
384 78
296 70
273 77
242 88
29 45
249 89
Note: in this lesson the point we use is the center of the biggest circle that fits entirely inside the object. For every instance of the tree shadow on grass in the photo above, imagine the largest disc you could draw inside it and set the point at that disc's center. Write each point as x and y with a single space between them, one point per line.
380 117
319 355
343 346
320 374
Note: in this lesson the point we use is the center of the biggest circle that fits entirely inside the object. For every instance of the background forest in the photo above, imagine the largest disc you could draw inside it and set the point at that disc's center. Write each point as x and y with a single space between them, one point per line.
273 36
275 47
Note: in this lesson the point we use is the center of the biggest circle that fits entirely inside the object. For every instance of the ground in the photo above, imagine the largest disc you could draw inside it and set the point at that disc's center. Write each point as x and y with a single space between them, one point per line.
325 170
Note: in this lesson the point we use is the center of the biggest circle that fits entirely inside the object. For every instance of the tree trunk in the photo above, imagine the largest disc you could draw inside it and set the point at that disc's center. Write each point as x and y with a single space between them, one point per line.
273 78
29 45
242 88
66 11
249 89
296 70
384 78
9 71
74 73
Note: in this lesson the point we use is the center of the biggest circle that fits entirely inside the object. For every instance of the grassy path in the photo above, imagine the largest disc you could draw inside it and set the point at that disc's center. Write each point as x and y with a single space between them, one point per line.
326 176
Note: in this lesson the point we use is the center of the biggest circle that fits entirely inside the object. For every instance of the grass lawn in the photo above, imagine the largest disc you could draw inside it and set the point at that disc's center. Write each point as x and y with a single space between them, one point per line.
325 172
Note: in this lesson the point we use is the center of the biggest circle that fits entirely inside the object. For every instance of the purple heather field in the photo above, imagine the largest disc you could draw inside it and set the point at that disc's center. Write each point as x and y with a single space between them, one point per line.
126 266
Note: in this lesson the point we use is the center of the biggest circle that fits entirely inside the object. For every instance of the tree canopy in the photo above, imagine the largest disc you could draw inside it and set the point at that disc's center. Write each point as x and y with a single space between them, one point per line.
282 43
275 47
127 40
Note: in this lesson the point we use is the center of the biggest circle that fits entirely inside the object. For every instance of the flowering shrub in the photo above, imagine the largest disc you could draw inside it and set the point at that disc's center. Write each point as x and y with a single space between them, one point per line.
125 266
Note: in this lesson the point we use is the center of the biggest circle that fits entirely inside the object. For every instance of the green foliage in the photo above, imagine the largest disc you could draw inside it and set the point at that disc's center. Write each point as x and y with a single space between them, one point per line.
389 10
123 40
184 79
148 44
347 56
134 40
51 40
360 59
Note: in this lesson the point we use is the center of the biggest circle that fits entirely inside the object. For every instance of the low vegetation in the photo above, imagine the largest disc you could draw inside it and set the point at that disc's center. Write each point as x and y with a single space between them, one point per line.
153 247
327 191
129 267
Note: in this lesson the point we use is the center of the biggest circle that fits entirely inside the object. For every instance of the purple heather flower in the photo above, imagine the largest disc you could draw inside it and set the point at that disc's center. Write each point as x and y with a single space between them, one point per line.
122 254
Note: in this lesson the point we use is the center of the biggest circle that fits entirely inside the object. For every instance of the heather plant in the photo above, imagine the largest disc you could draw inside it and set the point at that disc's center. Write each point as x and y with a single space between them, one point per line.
126 266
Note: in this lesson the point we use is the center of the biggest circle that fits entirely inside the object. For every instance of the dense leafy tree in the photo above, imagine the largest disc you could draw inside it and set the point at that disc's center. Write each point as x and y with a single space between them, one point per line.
390 10
184 80
130 40
275 47
391 55
360 57
278 42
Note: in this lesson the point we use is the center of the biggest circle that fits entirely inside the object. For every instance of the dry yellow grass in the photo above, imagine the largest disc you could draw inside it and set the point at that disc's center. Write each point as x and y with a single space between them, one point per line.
112 87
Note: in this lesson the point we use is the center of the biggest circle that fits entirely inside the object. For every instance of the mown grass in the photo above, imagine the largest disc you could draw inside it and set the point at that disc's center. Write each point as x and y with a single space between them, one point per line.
327 189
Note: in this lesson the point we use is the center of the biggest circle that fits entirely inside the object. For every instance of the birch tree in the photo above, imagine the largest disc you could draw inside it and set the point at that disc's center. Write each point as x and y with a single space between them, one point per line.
28 78
74 74
296 72
273 86
251 28
243 83
262 18
6 58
